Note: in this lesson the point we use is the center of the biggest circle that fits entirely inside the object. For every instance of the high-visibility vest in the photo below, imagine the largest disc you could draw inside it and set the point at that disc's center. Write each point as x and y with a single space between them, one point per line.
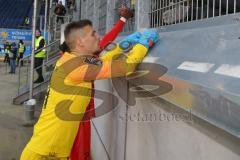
7 50
133 2
21 48
40 54
27 21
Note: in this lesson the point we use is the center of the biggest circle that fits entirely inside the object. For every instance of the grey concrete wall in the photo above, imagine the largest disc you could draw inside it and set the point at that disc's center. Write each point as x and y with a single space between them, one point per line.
186 139
110 127
151 135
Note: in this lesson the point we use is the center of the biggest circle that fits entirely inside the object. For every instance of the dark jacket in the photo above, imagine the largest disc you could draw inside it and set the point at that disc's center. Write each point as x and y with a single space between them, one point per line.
13 52
60 10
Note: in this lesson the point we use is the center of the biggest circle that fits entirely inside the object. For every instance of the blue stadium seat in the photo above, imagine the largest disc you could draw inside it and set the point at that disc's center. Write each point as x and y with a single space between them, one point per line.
14 11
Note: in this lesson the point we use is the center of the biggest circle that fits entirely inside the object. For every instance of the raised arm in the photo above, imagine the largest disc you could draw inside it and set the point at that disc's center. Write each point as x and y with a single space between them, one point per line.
125 13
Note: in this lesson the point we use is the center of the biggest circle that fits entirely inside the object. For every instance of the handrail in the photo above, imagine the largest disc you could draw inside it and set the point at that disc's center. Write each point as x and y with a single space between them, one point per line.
69 16
49 45
44 64
28 56
57 28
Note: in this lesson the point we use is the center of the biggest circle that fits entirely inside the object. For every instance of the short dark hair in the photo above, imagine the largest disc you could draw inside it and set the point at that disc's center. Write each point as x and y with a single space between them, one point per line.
38 31
76 25
64 47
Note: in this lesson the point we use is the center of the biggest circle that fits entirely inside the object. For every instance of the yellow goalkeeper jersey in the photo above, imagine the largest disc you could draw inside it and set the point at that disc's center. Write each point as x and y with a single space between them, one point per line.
69 94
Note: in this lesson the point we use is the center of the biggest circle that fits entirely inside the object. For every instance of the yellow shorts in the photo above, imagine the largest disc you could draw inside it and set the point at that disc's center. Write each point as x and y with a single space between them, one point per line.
27 154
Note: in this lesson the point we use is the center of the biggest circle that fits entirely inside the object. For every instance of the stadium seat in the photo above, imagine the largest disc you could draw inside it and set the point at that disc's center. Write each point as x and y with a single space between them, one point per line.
14 11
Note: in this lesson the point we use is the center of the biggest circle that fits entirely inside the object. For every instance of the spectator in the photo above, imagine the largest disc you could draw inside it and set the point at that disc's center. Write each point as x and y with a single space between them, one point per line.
55 2
7 50
21 50
12 57
39 56
71 6
26 21
68 4
60 11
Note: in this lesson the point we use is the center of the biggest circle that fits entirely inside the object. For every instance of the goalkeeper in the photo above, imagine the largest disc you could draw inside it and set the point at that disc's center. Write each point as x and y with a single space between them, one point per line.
70 85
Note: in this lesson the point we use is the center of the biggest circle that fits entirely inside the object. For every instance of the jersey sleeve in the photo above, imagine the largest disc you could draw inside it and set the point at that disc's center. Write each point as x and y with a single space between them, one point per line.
106 67
112 34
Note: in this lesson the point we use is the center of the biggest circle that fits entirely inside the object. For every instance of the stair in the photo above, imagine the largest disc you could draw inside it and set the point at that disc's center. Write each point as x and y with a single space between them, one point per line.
23 94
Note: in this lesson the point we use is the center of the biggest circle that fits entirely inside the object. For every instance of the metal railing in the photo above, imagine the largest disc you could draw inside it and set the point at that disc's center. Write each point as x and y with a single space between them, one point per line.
51 56
54 30
168 12
55 27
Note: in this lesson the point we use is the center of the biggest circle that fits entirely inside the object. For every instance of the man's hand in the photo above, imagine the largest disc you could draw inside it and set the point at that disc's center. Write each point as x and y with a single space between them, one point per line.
125 12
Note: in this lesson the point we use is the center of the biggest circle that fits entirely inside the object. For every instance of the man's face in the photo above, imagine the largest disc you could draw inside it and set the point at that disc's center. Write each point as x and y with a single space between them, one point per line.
37 33
90 40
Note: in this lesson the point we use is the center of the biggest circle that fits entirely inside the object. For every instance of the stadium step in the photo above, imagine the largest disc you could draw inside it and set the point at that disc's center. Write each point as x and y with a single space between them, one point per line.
38 88
23 93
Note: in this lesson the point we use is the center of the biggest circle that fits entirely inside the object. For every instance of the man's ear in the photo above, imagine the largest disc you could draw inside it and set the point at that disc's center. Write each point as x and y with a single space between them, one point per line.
80 42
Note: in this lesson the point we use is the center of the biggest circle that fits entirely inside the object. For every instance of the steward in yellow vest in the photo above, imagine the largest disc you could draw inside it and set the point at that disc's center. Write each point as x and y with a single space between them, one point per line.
21 50
26 21
7 48
39 56
40 43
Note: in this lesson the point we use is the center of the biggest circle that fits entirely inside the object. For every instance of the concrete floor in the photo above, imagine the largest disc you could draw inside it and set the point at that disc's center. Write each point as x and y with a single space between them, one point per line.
13 136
